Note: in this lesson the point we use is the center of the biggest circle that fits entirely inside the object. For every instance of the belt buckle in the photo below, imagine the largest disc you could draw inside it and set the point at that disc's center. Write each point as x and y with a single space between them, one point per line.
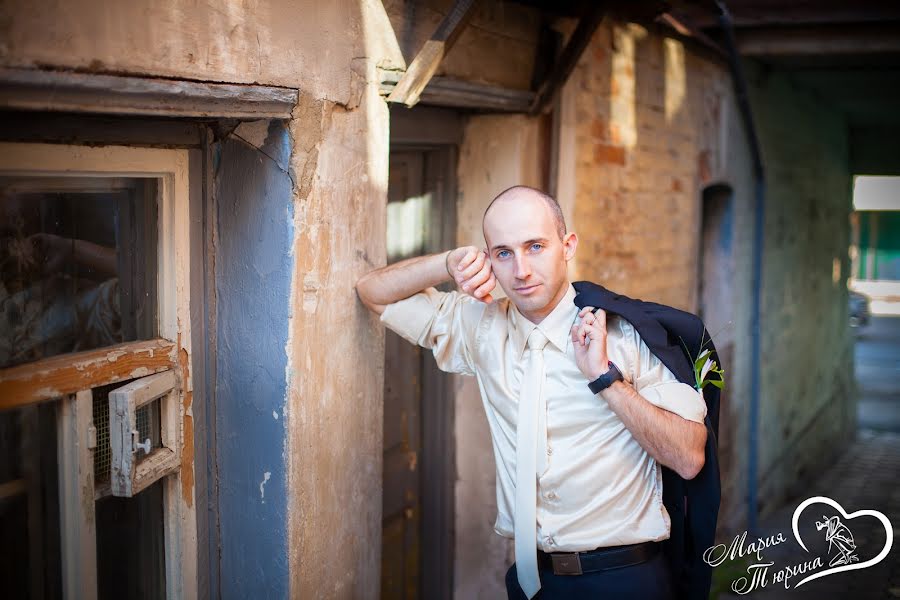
566 563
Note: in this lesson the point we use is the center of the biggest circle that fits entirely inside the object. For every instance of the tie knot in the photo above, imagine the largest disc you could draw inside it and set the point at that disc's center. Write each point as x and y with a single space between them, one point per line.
537 340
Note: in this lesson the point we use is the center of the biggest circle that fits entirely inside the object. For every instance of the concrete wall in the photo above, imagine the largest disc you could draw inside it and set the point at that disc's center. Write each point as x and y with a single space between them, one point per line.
253 285
808 410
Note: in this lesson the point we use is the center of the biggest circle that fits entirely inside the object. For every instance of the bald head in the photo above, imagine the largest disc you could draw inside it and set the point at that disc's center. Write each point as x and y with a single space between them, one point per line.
519 194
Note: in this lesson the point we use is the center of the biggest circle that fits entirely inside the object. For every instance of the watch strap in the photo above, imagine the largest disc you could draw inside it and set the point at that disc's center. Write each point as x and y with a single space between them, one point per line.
607 379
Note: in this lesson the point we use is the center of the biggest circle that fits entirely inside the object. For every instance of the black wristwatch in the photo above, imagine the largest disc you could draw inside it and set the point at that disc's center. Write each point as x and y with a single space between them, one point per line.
607 379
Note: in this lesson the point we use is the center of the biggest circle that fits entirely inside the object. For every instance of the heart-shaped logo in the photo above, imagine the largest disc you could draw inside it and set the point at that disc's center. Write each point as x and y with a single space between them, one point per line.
833 533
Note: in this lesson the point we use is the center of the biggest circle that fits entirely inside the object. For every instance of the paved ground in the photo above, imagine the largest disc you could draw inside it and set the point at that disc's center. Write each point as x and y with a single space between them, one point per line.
878 374
866 477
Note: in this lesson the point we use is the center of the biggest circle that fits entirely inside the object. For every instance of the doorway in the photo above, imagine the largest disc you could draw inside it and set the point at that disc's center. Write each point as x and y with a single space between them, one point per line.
419 448
715 300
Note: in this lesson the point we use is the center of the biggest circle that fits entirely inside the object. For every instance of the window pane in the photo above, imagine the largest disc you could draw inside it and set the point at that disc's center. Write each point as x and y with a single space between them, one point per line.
77 264
131 546
29 503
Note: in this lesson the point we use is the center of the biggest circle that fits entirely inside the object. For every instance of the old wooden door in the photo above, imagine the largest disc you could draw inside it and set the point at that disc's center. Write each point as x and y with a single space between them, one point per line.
418 450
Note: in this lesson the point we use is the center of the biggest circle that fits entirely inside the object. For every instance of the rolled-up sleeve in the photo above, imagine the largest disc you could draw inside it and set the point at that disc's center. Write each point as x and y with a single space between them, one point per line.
443 322
654 381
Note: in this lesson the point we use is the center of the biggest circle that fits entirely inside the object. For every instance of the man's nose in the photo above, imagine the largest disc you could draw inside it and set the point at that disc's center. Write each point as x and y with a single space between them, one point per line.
523 269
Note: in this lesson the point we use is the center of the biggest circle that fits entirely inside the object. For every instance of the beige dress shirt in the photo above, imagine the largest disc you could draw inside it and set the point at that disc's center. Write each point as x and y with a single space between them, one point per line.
600 487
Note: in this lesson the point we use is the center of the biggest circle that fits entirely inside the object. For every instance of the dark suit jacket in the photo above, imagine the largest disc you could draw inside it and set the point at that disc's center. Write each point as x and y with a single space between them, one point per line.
693 505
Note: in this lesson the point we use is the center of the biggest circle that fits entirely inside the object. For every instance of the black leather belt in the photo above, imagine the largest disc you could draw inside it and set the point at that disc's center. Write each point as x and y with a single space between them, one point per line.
601 559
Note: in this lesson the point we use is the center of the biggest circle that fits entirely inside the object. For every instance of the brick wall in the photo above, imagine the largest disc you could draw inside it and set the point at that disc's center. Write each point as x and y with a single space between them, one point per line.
648 123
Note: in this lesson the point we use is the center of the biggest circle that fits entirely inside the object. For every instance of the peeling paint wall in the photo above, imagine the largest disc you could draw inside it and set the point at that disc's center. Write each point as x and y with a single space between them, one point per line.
253 282
336 346
300 217
293 43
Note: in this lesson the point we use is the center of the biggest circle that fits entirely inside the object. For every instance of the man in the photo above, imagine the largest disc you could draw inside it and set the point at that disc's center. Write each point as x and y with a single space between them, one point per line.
577 472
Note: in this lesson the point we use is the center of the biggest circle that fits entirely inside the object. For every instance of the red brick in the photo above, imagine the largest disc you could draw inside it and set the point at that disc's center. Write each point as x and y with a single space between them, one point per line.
609 154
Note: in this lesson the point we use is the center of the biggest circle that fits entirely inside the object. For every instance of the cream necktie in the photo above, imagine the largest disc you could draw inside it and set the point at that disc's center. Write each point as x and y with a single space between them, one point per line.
526 465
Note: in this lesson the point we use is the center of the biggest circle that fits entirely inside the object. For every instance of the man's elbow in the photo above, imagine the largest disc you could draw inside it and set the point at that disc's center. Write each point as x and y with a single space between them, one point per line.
362 291
693 465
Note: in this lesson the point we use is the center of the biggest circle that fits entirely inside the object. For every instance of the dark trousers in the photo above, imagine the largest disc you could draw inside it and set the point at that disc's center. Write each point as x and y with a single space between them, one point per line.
649 580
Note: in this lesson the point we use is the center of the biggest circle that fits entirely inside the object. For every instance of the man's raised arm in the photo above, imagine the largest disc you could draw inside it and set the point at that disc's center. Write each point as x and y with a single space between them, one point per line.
469 266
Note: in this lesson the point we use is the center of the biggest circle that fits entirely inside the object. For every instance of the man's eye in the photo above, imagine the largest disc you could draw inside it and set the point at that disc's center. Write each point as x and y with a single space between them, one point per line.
502 254
538 246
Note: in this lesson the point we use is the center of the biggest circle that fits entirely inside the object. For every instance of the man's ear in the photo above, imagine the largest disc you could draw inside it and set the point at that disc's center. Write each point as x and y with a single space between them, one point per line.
570 242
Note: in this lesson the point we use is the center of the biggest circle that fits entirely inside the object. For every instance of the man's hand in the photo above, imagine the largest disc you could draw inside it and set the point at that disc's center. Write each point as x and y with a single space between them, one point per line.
589 338
470 268
670 439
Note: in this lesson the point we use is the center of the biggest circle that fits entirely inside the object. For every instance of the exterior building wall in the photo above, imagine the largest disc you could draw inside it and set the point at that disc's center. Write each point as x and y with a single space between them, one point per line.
302 469
301 44
808 407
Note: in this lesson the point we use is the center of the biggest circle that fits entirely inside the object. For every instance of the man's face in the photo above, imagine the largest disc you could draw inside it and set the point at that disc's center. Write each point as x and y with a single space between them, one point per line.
527 257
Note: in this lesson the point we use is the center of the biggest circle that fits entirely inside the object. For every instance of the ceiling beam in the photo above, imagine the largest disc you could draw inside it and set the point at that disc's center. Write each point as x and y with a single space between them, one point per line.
427 61
773 13
457 93
580 39
819 41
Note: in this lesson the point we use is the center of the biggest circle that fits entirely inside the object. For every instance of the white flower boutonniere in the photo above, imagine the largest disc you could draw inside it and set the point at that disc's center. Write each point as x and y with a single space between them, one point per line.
704 365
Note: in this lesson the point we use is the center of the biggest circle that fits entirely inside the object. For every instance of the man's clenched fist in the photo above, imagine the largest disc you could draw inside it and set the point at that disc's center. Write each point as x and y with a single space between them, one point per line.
470 268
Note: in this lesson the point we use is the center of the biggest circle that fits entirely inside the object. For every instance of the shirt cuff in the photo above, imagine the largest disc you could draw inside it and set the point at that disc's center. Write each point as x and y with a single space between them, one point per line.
676 397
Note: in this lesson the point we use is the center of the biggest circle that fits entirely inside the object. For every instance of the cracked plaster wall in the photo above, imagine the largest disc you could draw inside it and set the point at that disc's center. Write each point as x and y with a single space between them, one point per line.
309 441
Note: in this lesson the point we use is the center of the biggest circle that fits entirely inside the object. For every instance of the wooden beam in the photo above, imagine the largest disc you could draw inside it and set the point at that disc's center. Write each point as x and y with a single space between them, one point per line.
777 13
819 40
458 93
69 373
580 39
684 26
26 89
426 62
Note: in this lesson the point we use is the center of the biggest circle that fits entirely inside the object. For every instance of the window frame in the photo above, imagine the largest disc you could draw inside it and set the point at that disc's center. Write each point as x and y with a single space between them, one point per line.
69 378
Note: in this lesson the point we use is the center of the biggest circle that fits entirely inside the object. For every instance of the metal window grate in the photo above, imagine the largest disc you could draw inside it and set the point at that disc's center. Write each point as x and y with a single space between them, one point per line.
148 427
102 453
147 420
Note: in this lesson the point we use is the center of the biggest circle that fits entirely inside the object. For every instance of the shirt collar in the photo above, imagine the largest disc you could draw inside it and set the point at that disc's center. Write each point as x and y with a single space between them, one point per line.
557 326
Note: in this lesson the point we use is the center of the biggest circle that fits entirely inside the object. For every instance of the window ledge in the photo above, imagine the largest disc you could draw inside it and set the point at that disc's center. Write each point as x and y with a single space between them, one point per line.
27 89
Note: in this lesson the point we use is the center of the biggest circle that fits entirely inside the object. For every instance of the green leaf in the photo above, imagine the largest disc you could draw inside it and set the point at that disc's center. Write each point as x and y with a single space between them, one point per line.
701 360
716 382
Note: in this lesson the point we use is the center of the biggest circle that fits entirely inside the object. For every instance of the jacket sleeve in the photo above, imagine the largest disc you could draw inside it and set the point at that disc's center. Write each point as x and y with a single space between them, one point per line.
443 322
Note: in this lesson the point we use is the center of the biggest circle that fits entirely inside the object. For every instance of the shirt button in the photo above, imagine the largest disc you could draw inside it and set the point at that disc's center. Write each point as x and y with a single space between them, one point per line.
549 450
552 495
550 541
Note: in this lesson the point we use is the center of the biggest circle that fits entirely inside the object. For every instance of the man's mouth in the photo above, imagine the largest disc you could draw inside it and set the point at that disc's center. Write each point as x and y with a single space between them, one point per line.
527 289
